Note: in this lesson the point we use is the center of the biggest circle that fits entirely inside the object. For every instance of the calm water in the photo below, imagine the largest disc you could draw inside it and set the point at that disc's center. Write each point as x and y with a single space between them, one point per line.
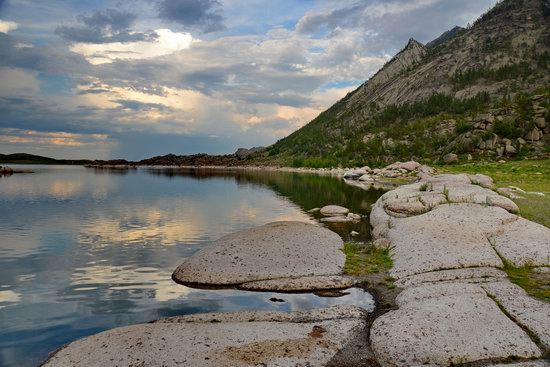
84 250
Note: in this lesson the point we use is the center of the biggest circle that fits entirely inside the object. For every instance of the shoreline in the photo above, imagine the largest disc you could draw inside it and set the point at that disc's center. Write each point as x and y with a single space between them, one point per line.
449 264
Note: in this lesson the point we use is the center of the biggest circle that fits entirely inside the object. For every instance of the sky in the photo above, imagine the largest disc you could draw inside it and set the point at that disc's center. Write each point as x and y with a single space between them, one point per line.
132 79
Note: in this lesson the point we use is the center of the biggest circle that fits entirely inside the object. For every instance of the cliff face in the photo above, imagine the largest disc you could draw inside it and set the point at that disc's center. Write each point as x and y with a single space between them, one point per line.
503 54
384 81
508 34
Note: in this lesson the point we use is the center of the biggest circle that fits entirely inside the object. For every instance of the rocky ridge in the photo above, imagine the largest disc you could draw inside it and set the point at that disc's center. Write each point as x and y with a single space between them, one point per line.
502 57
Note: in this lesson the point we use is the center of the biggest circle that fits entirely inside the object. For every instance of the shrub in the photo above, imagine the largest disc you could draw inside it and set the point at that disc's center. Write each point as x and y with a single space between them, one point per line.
507 129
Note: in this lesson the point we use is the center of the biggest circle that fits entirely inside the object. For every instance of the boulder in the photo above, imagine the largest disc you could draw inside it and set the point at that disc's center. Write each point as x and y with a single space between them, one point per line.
355 174
334 210
410 166
274 251
450 158
510 150
533 135
540 122
366 178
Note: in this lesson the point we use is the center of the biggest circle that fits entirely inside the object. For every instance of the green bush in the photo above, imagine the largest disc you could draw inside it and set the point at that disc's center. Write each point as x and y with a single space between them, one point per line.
462 127
507 129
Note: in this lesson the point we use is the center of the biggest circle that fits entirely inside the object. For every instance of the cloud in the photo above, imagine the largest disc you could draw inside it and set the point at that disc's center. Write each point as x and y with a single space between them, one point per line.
173 92
104 27
16 83
6 26
205 15
165 43
51 139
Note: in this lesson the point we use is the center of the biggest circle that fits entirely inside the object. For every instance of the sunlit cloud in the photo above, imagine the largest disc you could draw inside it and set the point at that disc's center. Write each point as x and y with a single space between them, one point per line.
7 26
166 43
55 139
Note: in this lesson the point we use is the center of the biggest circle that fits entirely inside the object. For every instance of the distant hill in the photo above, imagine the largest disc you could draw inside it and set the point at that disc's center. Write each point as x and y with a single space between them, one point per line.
482 91
24 158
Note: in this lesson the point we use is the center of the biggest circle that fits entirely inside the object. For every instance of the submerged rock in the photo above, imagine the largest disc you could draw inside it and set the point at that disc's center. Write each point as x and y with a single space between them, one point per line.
334 210
337 219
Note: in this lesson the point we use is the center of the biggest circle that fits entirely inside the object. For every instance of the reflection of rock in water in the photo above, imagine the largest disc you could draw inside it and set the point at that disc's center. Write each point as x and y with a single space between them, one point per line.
350 231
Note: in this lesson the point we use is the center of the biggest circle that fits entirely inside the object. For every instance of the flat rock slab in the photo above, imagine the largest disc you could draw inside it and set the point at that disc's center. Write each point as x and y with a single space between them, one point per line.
524 243
447 323
529 312
338 219
300 284
451 236
274 251
525 364
256 341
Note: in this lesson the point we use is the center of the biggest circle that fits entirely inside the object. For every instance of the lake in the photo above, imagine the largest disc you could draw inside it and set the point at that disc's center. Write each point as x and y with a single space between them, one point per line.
84 250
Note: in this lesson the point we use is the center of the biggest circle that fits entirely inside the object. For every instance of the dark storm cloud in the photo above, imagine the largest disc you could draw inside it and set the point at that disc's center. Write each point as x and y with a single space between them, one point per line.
205 15
102 27
39 58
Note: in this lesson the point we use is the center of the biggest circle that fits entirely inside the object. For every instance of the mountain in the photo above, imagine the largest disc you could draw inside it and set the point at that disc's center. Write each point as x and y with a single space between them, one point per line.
494 74
446 36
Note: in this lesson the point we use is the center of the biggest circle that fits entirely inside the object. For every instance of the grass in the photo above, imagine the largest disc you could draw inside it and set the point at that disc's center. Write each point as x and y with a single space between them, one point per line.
425 187
535 284
529 175
367 259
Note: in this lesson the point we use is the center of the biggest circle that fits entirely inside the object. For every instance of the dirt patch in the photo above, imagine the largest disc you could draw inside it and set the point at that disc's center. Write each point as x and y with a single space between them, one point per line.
266 351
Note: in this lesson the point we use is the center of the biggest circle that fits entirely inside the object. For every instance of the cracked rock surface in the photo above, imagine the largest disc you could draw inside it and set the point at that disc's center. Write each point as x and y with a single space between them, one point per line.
449 235
226 340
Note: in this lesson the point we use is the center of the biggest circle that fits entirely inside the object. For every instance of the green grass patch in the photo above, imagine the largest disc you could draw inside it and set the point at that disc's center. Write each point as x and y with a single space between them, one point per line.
367 259
528 175
535 283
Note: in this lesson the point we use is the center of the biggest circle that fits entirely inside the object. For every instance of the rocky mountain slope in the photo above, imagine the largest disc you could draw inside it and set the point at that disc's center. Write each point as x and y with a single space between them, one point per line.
425 97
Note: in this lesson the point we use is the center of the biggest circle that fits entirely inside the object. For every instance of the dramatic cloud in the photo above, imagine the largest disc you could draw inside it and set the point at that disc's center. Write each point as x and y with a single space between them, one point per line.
121 83
166 42
104 27
205 15
6 26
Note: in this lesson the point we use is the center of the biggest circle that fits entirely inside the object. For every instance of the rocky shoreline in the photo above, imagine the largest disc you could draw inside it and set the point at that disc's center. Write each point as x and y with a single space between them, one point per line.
450 237
8 171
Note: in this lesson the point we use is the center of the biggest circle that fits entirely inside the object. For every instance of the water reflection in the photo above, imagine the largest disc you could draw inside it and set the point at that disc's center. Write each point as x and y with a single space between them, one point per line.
85 250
